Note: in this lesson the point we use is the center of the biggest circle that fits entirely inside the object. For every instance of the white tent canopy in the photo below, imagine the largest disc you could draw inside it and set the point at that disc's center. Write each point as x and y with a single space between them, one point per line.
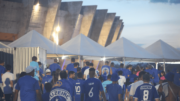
164 50
3 45
35 39
130 51
84 46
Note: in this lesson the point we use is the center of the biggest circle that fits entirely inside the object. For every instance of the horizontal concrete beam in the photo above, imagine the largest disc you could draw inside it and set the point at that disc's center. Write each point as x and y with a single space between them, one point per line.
97 24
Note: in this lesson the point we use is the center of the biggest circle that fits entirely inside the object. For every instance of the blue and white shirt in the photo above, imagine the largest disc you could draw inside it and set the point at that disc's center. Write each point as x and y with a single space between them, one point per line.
78 89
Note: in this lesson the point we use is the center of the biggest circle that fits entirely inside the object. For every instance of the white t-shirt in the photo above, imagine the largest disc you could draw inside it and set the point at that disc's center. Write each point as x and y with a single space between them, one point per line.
134 87
6 78
86 73
121 81
18 92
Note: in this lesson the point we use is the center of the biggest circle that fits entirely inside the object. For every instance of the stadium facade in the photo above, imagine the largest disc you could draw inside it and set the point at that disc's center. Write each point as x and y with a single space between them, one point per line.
58 20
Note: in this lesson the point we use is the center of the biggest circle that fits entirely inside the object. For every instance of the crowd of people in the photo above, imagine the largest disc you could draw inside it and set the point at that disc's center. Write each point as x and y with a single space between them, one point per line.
88 84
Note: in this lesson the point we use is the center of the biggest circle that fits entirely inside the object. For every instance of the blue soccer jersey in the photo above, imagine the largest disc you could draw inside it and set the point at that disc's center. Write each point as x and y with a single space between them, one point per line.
146 92
61 91
78 89
91 89
46 79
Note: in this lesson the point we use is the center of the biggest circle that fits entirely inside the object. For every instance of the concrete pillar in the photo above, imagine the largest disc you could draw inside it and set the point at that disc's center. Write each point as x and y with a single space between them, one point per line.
115 28
105 31
117 32
78 26
88 13
119 35
97 24
69 12
53 8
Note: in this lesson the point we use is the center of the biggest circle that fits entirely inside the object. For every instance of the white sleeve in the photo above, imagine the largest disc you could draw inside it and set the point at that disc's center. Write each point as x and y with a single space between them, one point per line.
124 79
12 77
14 87
131 93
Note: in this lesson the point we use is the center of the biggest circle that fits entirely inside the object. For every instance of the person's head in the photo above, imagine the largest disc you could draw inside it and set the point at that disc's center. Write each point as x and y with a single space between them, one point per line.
79 75
134 71
169 77
101 78
63 75
34 58
112 64
22 74
87 63
136 79
138 68
1 62
72 60
91 65
107 63
76 65
146 77
39 63
129 67
72 74
78 70
121 65
48 72
147 66
109 77
58 71
48 87
55 60
163 73
8 67
115 77
141 75
30 71
91 72
120 72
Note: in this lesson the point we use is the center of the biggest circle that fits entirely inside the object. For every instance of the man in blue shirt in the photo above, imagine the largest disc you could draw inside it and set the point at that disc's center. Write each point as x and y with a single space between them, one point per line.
62 89
46 79
45 96
78 87
86 67
114 90
71 77
146 91
132 76
28 86
105 83
70 67
113 68
92 87
105 70
53 67
34 64
121 68
2 71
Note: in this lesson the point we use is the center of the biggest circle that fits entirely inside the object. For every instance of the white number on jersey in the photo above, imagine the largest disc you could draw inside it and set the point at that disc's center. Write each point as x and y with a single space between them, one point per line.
145 95
91 93
78 89
57 100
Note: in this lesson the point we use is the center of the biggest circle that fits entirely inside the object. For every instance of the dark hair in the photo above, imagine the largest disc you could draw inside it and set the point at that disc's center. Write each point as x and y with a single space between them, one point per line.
58 71
146 77
79 75
129 66
107 62
78 69
34 58
1 61
54 72
63 74
55 76
109 77
39 63
8 67
91 64
55 60
76 64
72 59
101 78
163 73
87 63
48 87
71 72
22 74
112 63
136 78
141 73
91 70
120 72
121 65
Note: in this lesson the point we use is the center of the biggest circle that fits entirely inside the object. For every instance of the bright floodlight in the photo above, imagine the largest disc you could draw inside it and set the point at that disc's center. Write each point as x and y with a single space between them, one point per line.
64 57
57 28
103 59
37 6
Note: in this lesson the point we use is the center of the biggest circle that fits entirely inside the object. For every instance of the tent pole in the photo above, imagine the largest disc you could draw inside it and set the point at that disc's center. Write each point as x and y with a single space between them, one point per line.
164 65
156 65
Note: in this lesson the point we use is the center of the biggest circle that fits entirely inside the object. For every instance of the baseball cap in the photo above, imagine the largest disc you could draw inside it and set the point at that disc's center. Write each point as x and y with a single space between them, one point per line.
115 77
48 70
29 69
